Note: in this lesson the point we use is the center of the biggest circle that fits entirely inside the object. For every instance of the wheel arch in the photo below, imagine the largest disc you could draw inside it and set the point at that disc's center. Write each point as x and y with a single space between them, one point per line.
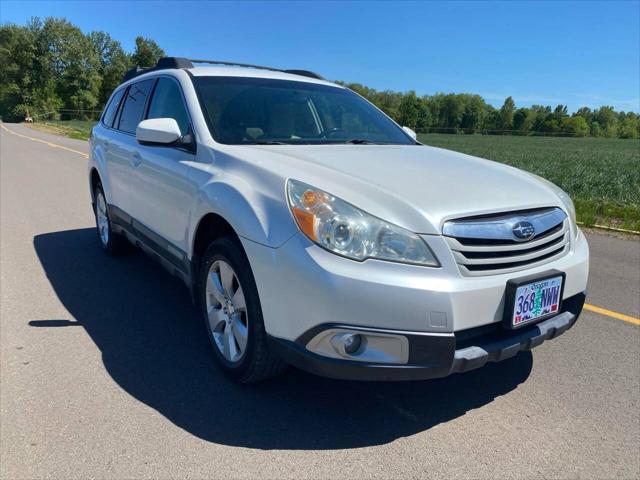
209 228
97 168
94 179
227 207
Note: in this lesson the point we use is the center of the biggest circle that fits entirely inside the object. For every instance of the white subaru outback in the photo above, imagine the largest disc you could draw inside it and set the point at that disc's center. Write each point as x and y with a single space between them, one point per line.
313 230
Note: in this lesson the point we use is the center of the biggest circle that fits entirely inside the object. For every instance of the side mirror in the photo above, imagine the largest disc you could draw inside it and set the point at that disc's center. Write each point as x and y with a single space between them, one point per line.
158 131
410 132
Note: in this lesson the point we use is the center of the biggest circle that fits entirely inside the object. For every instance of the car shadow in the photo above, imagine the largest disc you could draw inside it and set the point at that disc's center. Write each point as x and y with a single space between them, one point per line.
154 346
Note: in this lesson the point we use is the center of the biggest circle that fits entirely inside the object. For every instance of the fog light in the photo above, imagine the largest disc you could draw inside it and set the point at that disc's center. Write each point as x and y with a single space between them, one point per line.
348 344
352 343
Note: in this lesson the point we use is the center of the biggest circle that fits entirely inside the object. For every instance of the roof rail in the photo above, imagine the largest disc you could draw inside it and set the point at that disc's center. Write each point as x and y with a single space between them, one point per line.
304 73
235 64
133 72
163 64
180 62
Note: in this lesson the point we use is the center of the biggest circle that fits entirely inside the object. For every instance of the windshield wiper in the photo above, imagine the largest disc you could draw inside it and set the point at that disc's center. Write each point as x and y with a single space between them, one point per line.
267 142
362 141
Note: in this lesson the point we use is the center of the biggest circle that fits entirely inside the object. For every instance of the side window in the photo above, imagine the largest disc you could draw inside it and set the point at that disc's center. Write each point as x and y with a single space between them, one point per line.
167 103
110 112
133 106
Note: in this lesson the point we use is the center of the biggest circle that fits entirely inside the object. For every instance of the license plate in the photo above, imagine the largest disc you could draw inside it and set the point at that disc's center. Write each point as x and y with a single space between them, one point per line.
536 300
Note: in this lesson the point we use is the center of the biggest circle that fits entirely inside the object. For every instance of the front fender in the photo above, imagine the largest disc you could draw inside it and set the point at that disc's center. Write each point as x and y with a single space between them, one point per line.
255 215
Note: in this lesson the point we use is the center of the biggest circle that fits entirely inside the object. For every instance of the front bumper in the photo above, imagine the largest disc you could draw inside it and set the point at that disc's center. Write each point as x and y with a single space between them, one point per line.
448 322
302 286
432 355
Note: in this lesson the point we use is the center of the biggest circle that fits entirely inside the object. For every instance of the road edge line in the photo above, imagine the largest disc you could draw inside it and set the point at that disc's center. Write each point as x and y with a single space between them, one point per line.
54 145
612 314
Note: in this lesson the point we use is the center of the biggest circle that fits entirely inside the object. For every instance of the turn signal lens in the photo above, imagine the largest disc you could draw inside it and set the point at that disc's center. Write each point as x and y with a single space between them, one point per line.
306 222
309 198
348 231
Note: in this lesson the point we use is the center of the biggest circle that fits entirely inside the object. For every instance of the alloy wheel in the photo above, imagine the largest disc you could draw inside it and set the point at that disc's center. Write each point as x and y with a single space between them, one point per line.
102 219
226 311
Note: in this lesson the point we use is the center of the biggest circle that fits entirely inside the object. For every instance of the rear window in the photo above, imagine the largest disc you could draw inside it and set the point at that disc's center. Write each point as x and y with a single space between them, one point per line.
133 107
110 112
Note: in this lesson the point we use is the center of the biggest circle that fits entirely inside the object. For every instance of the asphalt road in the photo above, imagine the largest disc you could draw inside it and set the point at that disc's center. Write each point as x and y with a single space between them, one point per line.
106 371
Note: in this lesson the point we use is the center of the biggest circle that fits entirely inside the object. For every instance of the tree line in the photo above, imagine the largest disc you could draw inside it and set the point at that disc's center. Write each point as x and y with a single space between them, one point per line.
52 66
469 113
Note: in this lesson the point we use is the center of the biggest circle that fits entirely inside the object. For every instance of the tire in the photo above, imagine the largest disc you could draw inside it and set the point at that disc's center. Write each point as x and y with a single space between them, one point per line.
233 320
111 243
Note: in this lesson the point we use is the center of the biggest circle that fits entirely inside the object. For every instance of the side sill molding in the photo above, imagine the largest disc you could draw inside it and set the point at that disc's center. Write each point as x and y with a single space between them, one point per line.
170 256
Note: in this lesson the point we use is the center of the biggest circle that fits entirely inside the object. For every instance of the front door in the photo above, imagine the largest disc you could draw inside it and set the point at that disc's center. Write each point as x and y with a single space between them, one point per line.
161 193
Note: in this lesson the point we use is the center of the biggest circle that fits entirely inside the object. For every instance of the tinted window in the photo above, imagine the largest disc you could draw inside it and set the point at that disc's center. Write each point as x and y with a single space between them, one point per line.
133 107
167 103
254 110
110 112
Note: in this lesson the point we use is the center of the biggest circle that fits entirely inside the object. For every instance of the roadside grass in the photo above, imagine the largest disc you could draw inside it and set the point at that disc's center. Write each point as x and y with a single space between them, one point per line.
78 129
602 176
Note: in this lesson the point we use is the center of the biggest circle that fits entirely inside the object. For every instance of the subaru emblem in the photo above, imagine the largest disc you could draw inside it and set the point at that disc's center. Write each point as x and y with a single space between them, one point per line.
523 231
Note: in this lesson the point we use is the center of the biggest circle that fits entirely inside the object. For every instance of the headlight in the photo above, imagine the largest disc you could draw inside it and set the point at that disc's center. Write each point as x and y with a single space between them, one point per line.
346 230
566 201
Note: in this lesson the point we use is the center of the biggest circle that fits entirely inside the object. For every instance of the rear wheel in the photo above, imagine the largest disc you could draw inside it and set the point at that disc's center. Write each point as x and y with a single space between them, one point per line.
111 242
232 314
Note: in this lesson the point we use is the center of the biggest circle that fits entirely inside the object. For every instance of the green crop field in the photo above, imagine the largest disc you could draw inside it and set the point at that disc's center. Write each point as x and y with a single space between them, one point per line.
601 175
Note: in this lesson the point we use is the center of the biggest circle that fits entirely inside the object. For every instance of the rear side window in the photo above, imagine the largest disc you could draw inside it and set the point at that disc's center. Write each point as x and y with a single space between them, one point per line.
167 103
133 106
110 112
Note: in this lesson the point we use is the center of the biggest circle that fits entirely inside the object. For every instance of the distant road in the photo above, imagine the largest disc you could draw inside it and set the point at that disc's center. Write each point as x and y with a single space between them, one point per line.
106 371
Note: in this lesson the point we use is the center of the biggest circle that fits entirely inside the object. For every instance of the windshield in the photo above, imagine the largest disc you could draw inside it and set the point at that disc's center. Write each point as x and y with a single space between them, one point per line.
247 111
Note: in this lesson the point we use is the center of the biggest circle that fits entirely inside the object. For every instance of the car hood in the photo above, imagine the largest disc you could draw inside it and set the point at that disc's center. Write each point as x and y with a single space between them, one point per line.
413 186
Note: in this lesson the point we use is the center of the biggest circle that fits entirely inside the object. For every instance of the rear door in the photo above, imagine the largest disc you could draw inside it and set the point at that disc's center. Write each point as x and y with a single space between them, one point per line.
162 193
123 152
117 192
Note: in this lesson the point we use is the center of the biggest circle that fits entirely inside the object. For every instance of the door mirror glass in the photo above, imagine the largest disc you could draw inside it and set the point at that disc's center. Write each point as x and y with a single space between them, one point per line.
410 132
158 131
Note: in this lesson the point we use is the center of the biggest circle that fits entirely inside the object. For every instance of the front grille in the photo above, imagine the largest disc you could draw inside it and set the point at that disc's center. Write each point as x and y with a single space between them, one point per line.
489 241
488 246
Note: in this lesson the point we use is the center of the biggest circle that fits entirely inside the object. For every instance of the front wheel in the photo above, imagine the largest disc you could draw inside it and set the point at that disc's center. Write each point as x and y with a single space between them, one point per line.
111 242
232 314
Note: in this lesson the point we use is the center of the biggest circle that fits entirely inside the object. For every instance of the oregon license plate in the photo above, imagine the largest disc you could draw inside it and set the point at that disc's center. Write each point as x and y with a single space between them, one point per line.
536 300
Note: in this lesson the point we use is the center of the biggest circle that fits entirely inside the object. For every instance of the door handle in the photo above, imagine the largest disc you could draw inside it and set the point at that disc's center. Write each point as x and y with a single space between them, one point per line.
136 159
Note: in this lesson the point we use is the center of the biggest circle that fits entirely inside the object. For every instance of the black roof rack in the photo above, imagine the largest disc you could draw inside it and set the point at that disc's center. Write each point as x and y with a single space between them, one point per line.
179 62
163 64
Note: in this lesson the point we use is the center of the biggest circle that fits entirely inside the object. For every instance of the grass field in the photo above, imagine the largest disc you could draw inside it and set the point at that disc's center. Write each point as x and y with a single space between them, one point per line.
79 129
602 176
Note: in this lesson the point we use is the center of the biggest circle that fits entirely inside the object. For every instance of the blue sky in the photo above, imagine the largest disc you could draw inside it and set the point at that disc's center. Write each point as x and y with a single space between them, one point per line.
546 52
